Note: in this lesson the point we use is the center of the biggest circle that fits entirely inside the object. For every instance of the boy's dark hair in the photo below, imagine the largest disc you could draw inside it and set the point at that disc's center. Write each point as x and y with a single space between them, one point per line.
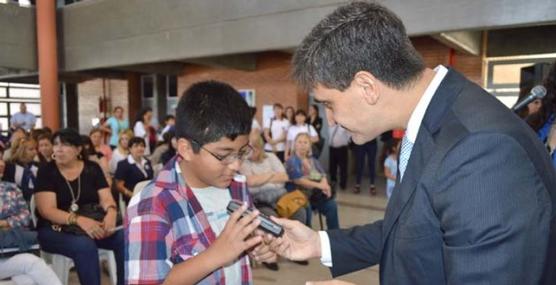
359 36
209 111
136 140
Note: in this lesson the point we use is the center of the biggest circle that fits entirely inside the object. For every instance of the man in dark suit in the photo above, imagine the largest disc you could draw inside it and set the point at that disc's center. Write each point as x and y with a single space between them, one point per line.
475 191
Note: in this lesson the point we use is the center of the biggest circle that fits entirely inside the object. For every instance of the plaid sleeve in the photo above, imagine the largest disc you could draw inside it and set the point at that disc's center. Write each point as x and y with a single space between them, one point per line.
146 252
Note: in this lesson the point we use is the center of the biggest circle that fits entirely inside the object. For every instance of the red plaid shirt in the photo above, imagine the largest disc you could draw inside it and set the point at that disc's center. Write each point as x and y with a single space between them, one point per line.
165 225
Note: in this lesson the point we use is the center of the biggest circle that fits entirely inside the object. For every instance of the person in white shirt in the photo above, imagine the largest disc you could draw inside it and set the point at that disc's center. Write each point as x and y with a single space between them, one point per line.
300 127
122 151
23 119
275 132
142 127
338 155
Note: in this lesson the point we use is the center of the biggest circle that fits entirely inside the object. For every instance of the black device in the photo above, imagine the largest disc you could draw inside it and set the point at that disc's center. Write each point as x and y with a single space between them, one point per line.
266 224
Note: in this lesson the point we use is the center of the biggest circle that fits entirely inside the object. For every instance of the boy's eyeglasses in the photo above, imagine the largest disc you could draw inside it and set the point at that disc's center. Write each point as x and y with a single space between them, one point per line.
241 155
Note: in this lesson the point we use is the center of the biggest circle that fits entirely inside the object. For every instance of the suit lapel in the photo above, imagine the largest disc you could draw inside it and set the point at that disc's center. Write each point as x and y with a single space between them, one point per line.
423 149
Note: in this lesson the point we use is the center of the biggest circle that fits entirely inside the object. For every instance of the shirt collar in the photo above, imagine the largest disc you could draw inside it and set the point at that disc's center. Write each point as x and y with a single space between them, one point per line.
419 111
132 161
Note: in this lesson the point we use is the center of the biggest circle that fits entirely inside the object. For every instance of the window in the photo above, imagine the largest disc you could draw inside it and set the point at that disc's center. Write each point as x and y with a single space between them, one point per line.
11 96
503 75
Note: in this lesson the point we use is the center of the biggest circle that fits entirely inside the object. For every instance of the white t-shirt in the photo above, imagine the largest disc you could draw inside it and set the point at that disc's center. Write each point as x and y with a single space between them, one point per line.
139 130
214 202
278 129
293 131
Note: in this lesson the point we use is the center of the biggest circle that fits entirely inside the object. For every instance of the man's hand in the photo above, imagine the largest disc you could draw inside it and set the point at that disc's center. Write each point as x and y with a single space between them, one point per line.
298 242
234 239
328 282
262 252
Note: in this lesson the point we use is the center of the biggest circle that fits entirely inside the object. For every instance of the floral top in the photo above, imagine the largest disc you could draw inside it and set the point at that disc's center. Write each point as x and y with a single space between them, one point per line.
14 208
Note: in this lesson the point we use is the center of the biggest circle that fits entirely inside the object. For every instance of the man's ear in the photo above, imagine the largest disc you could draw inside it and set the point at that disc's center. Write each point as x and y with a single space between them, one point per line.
185 149
367 85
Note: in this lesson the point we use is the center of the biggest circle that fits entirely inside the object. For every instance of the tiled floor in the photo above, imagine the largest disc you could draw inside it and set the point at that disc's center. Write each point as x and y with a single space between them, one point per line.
354 209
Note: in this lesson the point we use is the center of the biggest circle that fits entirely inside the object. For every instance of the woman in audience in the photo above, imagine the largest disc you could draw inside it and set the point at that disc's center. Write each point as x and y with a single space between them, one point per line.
24 166
142 127
307 174
16 135
65 186
315 120
97 140
171 151
115 125
22 268
289 112
266 178
161 148
122 151
300 127
45 148
95 156
134 169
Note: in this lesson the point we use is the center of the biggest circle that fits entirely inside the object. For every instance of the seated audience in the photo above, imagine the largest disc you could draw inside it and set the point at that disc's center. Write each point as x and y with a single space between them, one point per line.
308 175
23 166
45 151
97 140
95 156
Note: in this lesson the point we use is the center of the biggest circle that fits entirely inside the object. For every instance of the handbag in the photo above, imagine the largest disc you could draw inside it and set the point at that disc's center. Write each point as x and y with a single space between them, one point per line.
290 203
20 238
92 211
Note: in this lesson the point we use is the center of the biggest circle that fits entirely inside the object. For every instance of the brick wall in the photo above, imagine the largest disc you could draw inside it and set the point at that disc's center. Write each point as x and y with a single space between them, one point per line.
271 80
89 94
435 53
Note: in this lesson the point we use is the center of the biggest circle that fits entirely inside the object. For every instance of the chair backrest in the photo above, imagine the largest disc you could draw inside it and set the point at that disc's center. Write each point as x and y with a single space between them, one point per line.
139 186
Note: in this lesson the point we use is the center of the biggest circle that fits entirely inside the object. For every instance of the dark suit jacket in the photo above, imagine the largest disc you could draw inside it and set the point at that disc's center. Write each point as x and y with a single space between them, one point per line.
474 206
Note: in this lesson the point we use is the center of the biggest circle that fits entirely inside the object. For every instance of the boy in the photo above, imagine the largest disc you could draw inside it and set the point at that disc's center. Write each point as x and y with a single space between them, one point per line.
177 229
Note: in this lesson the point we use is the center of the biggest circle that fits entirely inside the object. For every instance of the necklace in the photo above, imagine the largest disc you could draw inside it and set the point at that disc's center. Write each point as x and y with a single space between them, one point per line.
74 207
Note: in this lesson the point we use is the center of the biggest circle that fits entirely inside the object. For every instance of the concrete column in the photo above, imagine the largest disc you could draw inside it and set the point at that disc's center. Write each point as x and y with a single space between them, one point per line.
48 63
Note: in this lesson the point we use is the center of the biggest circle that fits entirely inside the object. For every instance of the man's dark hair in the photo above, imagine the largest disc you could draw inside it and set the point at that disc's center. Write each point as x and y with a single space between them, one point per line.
209 111
136 141
359 36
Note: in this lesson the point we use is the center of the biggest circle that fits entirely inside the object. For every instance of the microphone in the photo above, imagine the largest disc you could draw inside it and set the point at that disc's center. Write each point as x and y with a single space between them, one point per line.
538 92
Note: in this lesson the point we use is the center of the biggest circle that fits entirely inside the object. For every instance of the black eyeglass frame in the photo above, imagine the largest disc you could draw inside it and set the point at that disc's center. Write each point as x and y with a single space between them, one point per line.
229 158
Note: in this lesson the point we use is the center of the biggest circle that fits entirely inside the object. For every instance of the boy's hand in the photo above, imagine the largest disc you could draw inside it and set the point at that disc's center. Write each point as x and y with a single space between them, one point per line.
298 242
262 252
236 237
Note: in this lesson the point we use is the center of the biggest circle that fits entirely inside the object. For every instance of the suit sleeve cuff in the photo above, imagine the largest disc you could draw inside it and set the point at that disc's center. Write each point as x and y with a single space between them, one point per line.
326 252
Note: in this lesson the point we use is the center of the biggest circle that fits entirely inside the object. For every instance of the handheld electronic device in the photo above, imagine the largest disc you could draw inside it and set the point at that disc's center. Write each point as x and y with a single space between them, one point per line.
266 224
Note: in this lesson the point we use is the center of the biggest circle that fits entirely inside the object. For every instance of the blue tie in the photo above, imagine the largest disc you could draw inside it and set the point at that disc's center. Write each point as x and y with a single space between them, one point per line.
405 152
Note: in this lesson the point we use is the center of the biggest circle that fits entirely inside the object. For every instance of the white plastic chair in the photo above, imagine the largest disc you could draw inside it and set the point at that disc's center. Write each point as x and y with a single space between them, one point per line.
61 264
